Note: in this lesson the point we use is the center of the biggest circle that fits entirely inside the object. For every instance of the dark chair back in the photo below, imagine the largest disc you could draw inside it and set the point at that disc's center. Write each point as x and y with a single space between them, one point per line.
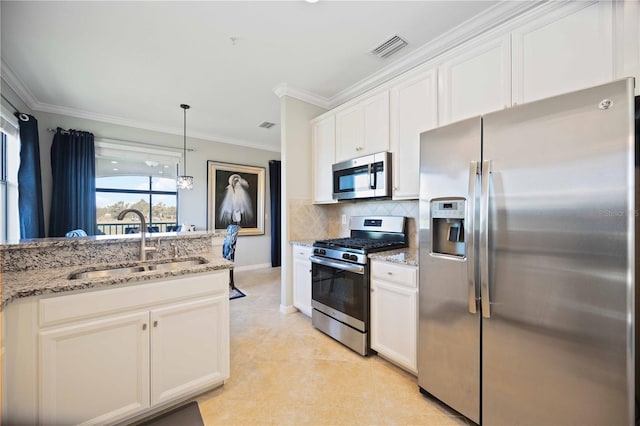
229 244
229 249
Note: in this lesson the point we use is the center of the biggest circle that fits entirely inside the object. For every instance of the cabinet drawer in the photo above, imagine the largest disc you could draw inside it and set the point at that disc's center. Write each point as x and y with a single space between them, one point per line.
301 252
399 274
103 301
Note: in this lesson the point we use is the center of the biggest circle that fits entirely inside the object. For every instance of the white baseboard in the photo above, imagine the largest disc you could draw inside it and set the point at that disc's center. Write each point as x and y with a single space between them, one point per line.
251 267
288 309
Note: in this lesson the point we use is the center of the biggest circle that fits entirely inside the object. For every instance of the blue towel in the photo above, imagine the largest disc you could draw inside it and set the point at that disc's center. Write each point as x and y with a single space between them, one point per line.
76 233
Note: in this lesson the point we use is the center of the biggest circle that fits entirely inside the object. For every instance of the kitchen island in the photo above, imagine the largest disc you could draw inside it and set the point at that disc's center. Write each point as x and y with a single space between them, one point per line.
85 346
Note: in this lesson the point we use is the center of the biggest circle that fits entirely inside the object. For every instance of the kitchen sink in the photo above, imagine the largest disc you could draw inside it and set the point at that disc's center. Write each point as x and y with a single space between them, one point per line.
168 265
175 264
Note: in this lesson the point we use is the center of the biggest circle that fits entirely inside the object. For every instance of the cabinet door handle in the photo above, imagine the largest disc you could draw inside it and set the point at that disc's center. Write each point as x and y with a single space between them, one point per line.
144 326
155 323
389 273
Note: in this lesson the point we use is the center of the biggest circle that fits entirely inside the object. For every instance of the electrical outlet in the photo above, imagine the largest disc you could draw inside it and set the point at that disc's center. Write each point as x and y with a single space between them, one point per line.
344 219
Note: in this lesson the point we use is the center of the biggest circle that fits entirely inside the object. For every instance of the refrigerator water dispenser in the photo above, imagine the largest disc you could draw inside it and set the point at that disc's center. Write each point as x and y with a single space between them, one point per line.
447 226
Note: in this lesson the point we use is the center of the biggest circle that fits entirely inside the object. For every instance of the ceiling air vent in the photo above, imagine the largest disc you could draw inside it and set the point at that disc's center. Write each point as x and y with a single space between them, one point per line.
389 47
267 125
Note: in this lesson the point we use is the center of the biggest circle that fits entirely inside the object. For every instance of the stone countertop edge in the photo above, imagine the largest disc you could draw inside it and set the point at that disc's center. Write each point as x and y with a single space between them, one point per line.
306 243
403 256
19 284
108 239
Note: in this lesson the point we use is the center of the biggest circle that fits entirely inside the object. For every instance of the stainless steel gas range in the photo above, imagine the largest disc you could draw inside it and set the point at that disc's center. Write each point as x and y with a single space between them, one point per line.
340 277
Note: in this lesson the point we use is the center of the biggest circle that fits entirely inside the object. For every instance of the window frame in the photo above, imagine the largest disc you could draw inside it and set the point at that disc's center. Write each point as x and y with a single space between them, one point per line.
4 182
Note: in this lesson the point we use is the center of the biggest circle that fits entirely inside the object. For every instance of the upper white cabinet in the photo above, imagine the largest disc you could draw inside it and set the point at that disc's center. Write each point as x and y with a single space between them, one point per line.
414 109
569 49
323 139
363 128
476 80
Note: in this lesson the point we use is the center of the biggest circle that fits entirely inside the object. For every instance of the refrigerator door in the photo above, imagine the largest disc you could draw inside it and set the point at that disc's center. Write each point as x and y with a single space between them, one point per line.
449 322
557 336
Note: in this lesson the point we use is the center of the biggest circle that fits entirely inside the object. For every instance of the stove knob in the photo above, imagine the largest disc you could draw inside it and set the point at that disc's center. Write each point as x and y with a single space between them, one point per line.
353 257
346 256
323 251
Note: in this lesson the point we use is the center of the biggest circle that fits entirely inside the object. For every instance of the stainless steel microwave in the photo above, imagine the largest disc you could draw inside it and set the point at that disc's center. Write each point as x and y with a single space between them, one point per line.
363 177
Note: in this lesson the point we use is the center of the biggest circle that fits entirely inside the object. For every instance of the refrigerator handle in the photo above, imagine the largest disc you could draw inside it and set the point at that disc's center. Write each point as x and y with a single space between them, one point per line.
469 236
484 240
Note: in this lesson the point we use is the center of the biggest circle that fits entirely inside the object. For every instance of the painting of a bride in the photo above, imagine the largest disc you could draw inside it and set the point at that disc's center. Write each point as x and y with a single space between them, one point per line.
235 207
236 197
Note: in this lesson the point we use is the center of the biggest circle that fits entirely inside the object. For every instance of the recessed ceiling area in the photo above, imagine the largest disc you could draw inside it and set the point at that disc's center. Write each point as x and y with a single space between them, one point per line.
133 63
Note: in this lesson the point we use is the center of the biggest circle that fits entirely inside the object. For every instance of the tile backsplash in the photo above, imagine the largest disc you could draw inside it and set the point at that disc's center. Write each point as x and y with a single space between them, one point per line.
309 221
306 220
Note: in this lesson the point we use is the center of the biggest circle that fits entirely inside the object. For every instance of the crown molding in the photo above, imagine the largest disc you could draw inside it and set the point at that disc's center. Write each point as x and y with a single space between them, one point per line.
21 90
473 27
17 85
491 18
284 89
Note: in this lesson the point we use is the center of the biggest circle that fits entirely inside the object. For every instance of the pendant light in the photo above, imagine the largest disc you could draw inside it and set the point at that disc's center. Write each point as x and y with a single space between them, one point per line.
184 181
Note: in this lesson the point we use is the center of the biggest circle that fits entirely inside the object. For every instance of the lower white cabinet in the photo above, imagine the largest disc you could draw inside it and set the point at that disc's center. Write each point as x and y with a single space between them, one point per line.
302 278
108 355
394 313
95 371
185 353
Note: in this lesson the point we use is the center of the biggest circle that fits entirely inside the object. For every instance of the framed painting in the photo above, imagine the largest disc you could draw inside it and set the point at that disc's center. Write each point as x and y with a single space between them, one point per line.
235 196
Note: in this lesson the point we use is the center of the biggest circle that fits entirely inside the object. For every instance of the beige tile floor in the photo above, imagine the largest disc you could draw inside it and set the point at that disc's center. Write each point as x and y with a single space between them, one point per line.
284 372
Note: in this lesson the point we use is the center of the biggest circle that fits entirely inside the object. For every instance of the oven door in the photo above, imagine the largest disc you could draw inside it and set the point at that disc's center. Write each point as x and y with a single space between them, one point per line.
340 290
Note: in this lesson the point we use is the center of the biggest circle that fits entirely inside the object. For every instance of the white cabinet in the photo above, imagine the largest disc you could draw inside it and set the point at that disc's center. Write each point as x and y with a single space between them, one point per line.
107 355
323 139
302 278
569 49
363 128
185 349
96 371
476 80
414 109
394 313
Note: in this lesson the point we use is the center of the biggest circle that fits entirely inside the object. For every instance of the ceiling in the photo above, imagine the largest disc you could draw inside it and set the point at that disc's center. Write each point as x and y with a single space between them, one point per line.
134 63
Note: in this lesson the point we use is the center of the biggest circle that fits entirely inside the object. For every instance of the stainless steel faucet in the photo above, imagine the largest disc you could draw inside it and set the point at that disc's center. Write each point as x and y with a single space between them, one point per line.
143 228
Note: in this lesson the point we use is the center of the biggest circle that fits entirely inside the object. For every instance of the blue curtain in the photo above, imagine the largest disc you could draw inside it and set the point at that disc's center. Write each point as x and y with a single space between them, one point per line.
73 198
29 181
275 193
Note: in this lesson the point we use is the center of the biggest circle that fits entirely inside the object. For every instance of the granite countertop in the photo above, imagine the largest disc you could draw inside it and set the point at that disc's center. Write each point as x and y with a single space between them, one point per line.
404 256
306 243
34 282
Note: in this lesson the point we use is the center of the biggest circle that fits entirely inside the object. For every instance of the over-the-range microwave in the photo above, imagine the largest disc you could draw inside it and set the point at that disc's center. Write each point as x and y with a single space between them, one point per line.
363 177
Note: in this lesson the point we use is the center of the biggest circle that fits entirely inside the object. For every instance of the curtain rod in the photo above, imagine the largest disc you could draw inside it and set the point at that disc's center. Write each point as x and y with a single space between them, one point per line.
9 102
129 142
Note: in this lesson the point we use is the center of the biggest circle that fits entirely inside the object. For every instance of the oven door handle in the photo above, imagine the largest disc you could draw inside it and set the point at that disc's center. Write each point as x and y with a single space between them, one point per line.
349 267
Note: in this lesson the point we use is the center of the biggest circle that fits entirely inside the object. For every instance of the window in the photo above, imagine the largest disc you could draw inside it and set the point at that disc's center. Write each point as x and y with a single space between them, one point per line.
136 178
9 162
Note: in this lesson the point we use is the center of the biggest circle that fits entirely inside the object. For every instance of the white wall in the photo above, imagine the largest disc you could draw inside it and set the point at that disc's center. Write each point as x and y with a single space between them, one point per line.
296 177
250 250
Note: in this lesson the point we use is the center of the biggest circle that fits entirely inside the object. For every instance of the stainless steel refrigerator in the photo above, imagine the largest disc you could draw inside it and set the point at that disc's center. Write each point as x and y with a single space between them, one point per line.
527 261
